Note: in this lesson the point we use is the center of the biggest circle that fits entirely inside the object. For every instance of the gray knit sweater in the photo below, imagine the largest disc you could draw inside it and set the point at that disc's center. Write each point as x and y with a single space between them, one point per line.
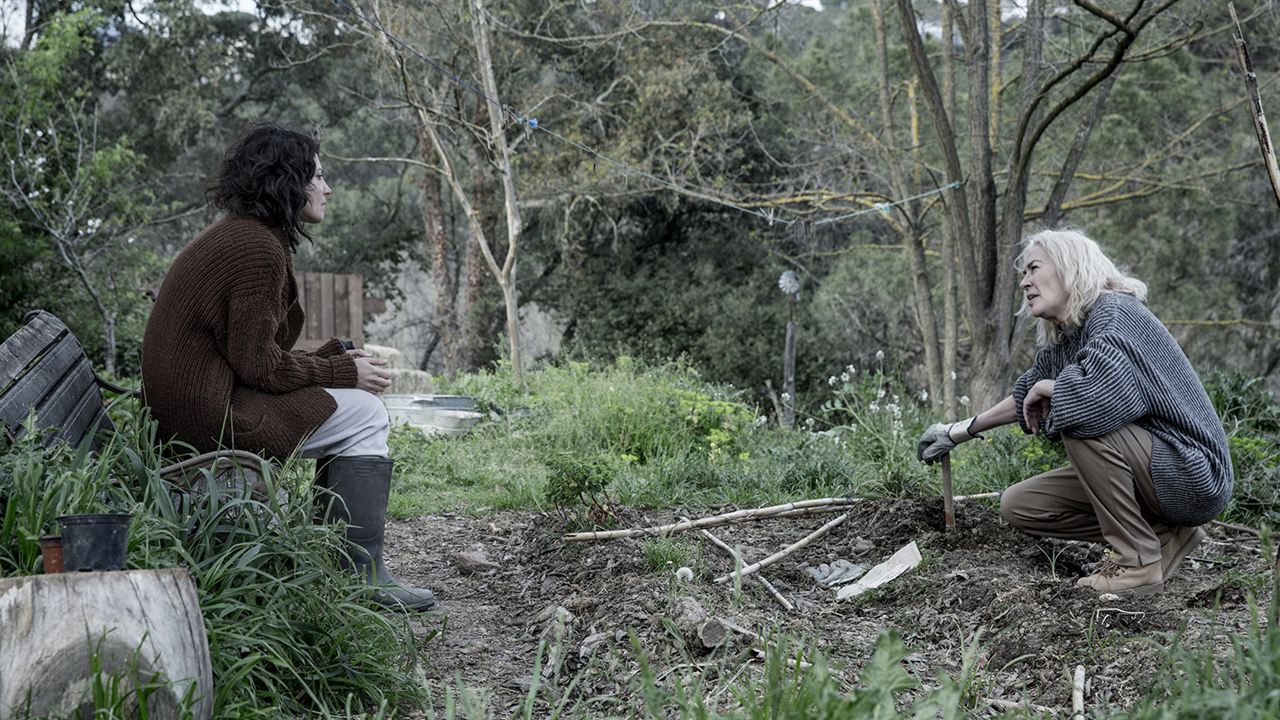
1124 367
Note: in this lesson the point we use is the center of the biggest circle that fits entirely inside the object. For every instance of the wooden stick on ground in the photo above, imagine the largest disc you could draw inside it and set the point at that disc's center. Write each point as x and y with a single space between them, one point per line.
1077 694
948 503
1013 705
977 496
725 519
768 586
754 567
1238 528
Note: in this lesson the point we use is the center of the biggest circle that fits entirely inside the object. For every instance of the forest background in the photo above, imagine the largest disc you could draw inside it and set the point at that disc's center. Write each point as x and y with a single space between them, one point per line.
656 167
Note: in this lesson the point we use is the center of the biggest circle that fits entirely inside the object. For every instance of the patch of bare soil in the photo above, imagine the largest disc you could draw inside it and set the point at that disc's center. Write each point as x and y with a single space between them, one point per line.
1013 592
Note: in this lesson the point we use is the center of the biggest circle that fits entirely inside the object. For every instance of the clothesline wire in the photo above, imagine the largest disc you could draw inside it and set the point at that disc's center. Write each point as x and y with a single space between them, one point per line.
533 124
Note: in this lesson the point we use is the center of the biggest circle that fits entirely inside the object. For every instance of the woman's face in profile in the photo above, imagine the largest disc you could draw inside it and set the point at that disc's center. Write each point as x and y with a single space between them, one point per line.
1042 287
317 195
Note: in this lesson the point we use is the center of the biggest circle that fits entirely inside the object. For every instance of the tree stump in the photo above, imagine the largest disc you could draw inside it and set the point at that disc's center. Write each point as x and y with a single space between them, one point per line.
142 628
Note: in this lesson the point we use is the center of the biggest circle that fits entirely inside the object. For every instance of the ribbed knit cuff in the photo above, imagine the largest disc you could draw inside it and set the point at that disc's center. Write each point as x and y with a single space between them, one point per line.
342 372
331 348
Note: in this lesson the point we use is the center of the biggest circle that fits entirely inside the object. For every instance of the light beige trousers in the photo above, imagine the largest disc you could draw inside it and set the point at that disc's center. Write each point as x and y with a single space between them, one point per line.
1105 495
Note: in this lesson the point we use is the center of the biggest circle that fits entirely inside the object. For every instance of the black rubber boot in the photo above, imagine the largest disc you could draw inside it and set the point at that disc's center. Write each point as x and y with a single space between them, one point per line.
359 488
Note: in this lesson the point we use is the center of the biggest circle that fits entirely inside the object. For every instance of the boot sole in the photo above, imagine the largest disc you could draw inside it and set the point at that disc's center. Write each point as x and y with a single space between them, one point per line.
1140 591
1183 551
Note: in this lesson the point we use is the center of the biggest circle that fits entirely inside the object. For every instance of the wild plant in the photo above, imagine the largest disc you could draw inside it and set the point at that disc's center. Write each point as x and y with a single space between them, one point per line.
290 632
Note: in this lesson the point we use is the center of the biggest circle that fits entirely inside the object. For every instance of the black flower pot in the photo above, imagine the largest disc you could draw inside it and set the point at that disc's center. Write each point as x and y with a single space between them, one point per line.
94 542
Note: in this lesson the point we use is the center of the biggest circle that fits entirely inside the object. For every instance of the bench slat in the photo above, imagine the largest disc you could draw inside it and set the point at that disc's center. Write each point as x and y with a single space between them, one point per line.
30 342
88 418
61 404
32 388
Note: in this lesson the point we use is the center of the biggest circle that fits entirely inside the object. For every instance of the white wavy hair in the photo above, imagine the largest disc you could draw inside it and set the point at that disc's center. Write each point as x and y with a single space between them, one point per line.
1086 273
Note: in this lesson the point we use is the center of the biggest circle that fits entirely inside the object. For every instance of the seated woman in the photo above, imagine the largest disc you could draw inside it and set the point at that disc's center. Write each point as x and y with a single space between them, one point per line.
1149 459
217 361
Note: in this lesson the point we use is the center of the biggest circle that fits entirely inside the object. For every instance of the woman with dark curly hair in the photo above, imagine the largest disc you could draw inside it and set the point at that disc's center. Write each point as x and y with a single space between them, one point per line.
218 366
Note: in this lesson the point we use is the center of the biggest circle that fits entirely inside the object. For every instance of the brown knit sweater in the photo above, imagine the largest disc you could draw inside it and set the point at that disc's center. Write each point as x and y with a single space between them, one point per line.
217 366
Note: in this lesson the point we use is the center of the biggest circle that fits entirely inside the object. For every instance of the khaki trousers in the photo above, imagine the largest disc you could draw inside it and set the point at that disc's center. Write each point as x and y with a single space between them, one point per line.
1105 495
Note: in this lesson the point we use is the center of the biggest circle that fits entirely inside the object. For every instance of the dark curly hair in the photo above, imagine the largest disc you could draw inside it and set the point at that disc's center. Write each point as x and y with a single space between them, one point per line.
265 175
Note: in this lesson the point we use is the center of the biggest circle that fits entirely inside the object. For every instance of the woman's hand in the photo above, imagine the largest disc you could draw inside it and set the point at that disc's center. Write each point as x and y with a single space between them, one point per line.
370 376
1036 406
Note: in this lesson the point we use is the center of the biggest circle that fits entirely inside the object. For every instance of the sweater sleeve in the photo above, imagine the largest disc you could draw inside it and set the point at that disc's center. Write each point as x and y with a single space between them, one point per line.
252 323
1099 392
331 348
1041 369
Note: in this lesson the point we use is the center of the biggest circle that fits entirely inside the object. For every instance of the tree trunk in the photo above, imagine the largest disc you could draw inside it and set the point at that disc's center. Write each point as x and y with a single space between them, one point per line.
950 319
506 275
142 626
909 229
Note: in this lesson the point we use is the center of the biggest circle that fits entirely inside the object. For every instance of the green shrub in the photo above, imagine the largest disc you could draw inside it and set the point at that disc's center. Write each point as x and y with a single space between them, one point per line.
578 487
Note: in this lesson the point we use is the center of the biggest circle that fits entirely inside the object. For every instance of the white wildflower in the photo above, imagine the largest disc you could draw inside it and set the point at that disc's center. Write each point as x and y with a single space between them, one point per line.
874 407
808 423
760 421
964 400
684 574
844 377
879 354
924 396
832 381
953 374
850 369
92 224
880 394
786 397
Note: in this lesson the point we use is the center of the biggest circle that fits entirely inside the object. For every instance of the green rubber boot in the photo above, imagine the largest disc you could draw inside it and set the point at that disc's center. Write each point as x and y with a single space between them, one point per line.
359 488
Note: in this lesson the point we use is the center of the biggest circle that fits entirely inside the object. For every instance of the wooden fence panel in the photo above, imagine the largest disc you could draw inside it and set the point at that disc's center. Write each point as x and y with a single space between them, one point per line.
334 304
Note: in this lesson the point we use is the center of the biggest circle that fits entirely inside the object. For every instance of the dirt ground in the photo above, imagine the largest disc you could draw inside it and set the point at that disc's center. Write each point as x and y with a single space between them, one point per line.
986 580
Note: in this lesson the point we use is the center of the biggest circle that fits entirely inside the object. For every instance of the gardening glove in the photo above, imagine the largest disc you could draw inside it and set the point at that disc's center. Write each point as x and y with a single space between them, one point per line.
942 438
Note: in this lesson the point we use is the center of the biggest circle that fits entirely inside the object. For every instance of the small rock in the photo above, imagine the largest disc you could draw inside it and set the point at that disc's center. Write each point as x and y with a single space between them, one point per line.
471 562
1108 597
684 574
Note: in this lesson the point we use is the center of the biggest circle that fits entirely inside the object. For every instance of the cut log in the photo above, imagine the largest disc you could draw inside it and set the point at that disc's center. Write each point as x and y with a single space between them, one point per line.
700 630
143 627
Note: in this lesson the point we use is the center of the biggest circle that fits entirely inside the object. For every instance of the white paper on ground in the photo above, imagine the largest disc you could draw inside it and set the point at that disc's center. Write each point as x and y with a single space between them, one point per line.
907 557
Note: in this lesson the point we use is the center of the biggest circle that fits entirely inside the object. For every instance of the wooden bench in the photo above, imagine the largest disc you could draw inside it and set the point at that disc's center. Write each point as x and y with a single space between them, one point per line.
44 369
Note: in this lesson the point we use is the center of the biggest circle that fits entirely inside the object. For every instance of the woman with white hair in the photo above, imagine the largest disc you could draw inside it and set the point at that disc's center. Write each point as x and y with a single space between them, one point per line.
1149 459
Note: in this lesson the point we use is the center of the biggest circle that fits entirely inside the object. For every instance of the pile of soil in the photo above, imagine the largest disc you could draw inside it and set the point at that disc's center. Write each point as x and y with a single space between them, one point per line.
585 601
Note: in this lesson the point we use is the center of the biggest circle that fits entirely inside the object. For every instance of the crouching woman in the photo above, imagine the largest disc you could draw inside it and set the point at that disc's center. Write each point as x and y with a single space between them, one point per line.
218 366
1149 459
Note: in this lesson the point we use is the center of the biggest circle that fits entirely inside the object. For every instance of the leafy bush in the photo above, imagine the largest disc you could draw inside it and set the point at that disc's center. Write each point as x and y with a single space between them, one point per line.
1250 413
578 488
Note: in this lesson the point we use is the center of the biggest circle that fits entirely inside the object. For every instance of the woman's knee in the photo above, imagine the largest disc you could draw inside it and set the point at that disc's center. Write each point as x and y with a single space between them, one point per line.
1011 504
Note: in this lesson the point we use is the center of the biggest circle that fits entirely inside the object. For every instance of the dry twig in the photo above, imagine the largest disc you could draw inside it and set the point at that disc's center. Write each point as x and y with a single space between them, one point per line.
713 521
785 551
764 582
1077 694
